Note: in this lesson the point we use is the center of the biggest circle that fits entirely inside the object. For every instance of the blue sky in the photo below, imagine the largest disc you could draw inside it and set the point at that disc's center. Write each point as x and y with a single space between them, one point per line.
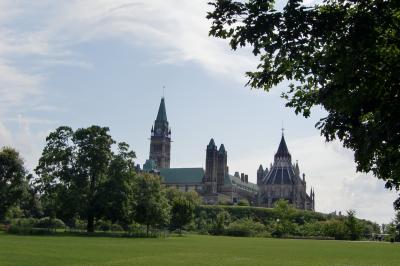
86 62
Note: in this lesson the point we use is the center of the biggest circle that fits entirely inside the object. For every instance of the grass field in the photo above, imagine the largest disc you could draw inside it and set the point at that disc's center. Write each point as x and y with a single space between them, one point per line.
191 250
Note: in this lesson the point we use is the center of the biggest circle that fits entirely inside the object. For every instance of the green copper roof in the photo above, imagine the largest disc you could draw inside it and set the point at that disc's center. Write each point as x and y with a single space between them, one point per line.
182 175
162 113
149 165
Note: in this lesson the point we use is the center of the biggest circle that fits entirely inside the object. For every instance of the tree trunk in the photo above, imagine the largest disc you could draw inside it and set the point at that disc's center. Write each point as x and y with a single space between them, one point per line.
90 223
147 230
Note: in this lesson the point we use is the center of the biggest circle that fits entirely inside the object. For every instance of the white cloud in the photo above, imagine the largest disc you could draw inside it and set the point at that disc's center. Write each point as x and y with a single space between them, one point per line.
177 30
16 86
28 143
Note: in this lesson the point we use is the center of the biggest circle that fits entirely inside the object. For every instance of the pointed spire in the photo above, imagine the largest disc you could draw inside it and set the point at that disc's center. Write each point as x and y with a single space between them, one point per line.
211 145
162 113
283 151
260 169
222 148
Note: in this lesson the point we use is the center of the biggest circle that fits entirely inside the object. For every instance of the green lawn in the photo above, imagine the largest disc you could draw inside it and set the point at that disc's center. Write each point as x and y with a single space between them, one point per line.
191 250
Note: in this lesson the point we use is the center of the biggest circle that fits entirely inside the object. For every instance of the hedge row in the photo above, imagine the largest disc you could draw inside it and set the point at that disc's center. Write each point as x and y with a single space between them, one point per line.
260 214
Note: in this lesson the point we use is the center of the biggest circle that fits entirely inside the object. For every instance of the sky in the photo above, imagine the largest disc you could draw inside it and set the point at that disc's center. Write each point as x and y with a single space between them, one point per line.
101 62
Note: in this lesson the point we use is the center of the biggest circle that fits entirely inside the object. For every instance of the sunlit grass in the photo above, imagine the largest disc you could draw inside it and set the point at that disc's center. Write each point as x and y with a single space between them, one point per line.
191 250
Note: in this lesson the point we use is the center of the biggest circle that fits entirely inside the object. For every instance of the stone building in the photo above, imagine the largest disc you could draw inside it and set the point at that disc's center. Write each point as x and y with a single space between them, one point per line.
214 183
283 181
219 185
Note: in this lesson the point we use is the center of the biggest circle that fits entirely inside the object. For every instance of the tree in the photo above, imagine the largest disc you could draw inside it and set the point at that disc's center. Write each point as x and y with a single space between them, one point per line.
352 225
220 223
396 227
182 205
284 212
182 212
150 205
12 179
115 194
341 55
30 203
72 168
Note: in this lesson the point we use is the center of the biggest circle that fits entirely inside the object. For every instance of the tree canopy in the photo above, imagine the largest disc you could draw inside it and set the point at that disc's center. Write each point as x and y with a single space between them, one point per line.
150 204
341 55
76 167
12 179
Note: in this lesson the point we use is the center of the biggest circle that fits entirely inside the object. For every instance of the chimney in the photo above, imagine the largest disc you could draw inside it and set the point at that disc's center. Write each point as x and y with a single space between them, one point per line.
237 174
246 178
242 177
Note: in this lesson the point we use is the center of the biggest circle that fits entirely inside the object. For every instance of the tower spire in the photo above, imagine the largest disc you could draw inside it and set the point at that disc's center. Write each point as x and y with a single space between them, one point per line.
162 113
283 151
160 141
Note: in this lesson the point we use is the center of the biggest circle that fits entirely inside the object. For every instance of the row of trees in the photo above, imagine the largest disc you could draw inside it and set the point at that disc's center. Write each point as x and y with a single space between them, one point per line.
282 221
80 176
85 178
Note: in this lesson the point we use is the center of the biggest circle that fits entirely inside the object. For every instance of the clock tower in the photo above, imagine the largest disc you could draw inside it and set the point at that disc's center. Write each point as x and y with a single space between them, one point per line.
160 141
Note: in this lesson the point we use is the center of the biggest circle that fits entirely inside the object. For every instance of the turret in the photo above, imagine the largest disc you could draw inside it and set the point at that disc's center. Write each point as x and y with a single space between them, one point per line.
260 174
296 168
211 167
222 168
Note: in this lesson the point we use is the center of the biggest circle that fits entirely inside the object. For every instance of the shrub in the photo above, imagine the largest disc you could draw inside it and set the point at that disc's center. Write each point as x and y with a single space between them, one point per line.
244 202
24 222
221 221
116 228
103 225
80 224
48 222
245 227
21 230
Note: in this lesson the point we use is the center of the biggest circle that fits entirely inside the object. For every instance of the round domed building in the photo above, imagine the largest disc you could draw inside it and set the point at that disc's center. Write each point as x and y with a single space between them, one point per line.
283 181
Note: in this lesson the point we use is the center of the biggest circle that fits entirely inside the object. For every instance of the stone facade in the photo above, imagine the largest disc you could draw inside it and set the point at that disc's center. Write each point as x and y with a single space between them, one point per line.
219 185
214 183
282 181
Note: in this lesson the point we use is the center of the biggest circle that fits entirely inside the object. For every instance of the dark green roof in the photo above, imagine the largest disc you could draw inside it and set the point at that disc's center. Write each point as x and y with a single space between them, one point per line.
149 165
182 175
162 113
